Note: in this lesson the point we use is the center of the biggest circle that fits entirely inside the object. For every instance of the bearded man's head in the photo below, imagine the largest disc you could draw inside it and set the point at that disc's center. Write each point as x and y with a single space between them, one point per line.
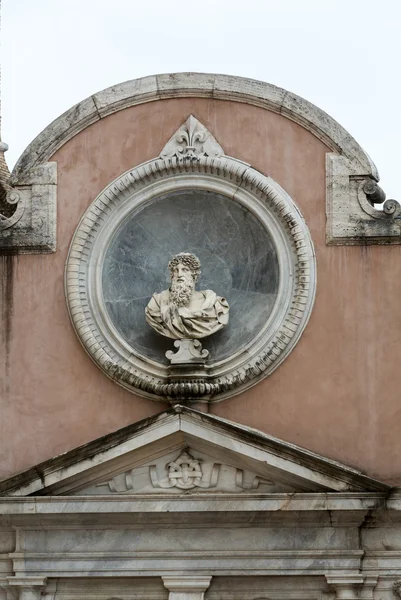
184 271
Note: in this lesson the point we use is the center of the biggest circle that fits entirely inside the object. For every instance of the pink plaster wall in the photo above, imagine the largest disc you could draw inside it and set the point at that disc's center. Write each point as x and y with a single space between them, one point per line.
337 393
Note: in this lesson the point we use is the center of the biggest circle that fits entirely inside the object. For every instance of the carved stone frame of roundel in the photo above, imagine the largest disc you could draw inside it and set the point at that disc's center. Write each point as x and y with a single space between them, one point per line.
192 159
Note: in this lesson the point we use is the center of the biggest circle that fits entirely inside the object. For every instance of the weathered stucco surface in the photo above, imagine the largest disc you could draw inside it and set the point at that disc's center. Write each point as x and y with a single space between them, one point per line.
337 393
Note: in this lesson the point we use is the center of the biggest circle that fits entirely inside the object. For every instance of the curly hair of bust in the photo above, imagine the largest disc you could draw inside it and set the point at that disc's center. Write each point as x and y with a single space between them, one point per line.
189 260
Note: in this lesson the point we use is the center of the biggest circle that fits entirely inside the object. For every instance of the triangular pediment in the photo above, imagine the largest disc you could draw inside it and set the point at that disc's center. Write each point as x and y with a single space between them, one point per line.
183 451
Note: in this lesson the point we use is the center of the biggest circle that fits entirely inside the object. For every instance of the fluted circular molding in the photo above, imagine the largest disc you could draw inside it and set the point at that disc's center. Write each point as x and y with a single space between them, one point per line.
240 183
192 85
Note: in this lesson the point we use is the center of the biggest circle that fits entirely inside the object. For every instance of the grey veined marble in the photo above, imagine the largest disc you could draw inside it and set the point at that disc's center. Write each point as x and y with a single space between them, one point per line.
239 262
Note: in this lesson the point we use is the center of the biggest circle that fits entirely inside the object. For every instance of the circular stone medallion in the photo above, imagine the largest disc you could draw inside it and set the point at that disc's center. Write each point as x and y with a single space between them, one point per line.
238 257
254 248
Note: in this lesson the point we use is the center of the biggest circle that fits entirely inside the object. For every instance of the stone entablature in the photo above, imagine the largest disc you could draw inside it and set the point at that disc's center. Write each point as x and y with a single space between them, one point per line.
282 546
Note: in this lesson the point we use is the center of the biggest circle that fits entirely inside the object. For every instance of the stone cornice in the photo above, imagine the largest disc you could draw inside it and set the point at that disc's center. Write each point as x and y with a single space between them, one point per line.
34 506
191 85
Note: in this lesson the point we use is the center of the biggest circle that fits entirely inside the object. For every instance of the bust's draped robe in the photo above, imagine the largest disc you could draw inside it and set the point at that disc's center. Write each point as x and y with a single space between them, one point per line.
176 322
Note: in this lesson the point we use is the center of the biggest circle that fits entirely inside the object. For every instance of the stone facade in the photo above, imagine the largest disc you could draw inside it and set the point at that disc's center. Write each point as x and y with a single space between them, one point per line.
340 365
107 493
235 513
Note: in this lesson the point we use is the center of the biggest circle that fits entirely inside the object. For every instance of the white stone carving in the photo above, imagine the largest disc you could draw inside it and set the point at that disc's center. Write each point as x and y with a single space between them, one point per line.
181 312
191 141
12 197
185 473
188 352
257 193
253 485
32 226
351 196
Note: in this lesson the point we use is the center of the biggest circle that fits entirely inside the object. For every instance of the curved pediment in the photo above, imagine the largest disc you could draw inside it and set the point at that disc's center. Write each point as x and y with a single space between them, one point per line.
191 85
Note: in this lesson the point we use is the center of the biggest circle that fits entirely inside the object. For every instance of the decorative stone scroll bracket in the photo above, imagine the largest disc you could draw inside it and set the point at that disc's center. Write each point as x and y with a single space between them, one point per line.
185 472
188 352
32 226
351 200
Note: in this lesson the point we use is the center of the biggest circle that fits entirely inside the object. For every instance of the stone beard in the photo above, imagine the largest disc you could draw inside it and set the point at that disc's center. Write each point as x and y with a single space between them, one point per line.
181 291
181 312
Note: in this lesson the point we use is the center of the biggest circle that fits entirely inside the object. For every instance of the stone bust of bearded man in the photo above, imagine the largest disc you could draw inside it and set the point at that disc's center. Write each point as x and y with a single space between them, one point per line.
181 312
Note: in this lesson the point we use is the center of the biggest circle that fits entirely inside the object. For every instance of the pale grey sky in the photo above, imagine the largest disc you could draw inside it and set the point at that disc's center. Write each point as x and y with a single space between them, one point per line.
342 55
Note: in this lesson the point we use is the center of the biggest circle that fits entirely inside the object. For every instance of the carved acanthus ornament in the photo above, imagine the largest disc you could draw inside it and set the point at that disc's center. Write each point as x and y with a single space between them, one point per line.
191 141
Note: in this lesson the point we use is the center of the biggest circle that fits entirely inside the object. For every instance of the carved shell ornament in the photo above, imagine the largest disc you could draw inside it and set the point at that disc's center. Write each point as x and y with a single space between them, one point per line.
255 250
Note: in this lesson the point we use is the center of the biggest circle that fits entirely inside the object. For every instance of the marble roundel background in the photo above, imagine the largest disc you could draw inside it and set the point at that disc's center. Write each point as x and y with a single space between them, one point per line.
239 261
